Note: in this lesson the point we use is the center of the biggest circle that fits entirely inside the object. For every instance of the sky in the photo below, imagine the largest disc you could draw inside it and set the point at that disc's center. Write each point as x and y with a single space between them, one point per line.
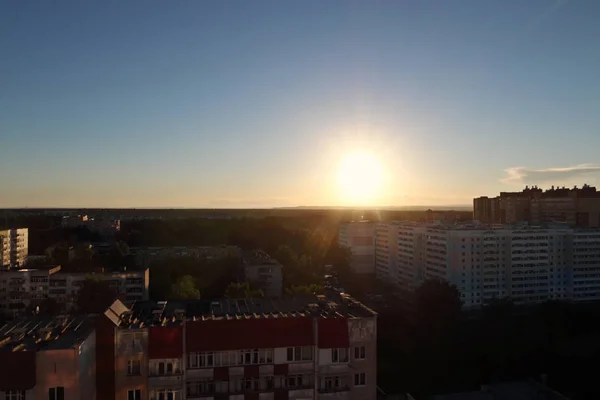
227 104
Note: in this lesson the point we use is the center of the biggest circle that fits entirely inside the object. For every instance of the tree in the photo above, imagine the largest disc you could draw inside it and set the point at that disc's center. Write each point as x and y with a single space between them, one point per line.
94 295
304 290
437 302
184 289
242 290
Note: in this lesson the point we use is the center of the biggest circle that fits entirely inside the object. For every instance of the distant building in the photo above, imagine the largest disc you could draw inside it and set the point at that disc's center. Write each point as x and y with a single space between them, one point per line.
264 271
578 207
522 263
48 358
359 237
14 247
102 225
523 390
21 289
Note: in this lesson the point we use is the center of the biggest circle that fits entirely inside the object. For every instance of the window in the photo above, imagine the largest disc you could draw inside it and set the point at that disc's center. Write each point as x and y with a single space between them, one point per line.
167 394
359 353
304 353
200 387
134 368
297 381
359 379
58 393
135 394
330 383
14 395
339 355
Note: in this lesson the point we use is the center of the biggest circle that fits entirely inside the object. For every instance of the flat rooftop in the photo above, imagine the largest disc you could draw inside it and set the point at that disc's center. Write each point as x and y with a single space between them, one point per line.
168 313
45 333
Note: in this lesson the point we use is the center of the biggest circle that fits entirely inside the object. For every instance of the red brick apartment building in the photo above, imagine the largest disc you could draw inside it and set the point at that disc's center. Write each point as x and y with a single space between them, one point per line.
311 347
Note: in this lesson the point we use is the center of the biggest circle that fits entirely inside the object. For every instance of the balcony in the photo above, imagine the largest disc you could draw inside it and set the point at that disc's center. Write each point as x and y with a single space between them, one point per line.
334 389
170 381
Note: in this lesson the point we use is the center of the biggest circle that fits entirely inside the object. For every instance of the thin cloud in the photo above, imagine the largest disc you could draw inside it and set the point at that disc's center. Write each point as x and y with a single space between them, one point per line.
522 175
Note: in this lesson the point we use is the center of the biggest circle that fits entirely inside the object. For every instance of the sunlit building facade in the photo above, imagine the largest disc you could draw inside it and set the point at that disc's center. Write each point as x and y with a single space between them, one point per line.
522 263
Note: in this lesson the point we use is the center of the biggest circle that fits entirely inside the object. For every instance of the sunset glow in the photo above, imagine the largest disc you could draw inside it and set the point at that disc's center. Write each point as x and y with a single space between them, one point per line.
360 179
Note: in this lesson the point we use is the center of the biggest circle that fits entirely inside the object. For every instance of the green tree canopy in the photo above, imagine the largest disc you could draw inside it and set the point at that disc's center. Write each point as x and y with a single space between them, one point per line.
242 290
185 288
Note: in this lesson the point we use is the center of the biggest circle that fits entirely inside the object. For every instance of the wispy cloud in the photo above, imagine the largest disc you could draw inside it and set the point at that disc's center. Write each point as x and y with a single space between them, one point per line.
522 175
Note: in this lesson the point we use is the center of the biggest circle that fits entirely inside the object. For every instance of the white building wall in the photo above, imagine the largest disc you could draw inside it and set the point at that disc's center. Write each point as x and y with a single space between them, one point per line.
525 264
359 237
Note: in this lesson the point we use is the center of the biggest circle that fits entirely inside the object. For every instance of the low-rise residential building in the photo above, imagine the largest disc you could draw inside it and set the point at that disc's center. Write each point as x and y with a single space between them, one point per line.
14 247
264 271
23 289
48 358
522 263
288 348
103 225
359 237
305 347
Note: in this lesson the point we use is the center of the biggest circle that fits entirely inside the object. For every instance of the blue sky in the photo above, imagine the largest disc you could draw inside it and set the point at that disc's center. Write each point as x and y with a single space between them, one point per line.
256 104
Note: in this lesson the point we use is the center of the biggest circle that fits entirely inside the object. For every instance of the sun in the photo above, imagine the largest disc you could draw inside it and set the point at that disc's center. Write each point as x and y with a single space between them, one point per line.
360 178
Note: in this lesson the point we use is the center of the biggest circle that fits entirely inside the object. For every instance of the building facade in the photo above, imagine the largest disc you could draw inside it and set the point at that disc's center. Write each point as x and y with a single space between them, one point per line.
521 263
315 348
264 271
577 207
48 358
359 237
23 289
14 247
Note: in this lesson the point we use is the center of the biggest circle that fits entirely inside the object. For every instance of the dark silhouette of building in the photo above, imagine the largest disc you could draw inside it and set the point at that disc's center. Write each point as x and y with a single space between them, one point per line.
575 207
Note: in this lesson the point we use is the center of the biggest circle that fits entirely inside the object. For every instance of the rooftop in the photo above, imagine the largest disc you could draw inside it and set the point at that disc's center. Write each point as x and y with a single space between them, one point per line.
479 226
45 333
164 313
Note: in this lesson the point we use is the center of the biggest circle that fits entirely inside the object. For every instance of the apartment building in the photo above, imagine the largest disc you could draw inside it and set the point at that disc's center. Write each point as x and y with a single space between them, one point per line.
103 225
525 264
359 237
48 358
14 247
23 289
314 347
576 207
264 271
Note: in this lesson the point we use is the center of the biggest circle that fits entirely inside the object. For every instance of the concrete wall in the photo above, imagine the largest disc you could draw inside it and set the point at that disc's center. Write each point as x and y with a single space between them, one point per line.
87 368
131 345
56 368
363 332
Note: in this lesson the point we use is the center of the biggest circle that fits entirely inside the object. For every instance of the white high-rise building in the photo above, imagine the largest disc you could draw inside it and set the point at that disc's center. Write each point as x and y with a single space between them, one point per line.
359 237
14 247
525 264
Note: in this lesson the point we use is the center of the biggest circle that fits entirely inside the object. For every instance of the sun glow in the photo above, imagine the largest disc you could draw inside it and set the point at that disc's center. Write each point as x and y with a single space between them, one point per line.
360 179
